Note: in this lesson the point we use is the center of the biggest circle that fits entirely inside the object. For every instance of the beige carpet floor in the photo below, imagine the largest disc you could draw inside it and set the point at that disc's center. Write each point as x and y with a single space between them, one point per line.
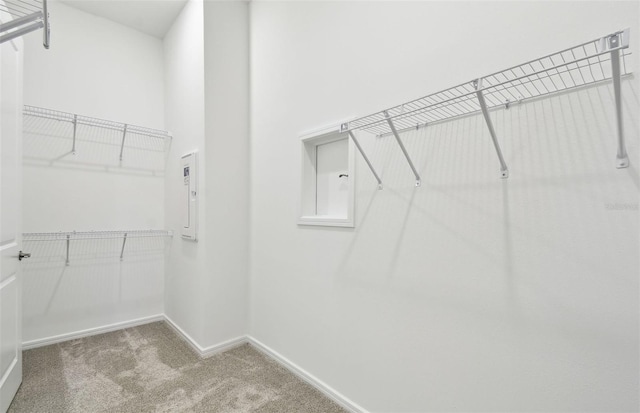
149 369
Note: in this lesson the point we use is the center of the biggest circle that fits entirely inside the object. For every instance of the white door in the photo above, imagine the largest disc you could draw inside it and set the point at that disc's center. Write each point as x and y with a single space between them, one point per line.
10 219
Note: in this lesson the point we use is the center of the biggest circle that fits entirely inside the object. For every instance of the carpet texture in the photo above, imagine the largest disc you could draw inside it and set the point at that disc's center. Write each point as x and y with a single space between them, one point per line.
150 369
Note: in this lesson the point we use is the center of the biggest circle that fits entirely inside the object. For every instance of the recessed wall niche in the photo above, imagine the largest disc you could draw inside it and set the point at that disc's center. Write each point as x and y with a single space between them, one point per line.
328 179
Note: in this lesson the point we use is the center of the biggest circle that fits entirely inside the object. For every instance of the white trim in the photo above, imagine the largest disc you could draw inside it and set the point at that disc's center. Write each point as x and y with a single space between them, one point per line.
204 352
90 332
307 377
7 373
308 184
327 221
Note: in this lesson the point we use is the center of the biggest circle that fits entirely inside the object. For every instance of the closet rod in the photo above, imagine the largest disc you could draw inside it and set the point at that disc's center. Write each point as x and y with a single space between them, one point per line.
12 24
21 31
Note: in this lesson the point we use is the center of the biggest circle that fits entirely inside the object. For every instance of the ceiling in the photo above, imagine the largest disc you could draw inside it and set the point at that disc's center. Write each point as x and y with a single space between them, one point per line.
153 17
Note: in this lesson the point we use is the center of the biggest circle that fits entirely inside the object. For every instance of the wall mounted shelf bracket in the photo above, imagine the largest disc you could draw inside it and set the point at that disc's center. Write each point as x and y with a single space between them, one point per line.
345 126
124 241
28 16
66 261
404 150
124 135
504 171
75 128
613 43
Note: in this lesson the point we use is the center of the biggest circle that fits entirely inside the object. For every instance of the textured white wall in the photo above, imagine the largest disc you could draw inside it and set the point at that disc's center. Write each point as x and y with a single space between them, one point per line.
470 293
97 68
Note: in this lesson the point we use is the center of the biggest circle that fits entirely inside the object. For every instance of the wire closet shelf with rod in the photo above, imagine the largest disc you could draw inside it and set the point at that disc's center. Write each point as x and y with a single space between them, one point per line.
68 237
43 119
592 62
19 17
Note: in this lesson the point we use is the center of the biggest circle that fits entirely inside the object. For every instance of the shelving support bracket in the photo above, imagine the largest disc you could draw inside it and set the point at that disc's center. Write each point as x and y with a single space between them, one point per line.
75 126
504 171
46 34
404 150
124 135
366 159
614 43
124 241
67 260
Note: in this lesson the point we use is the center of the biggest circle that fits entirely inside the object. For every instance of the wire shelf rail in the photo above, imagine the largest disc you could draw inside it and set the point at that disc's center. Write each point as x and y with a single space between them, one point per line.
75 121
26 16
93 235
588 63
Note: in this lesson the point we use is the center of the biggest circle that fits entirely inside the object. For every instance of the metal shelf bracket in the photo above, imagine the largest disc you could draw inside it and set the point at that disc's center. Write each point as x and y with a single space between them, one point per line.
124 241
404 150
614 43
66 261
27 16
345 126
124 135
75 126
477 84
46 33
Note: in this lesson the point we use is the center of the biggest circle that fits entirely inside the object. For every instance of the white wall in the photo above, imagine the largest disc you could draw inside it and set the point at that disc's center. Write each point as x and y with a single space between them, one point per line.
184 112
206 63
102 69
226 45
470 293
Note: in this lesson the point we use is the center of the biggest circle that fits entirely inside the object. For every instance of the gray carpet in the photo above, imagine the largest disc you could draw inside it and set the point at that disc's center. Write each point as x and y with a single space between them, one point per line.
150 369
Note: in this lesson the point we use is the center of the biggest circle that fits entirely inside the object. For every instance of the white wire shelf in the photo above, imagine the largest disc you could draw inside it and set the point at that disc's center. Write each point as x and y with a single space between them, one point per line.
86 235
588 63
93 235
38 118
26 16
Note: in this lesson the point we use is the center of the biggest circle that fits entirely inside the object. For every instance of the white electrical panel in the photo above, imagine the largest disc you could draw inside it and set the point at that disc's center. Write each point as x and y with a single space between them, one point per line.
190 196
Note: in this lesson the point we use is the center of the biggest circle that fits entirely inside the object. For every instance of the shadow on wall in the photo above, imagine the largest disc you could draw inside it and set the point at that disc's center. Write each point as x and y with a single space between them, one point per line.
50 143
95 280
463 231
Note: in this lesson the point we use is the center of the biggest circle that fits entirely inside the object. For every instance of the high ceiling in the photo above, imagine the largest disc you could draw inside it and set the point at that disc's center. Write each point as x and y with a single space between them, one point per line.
153 17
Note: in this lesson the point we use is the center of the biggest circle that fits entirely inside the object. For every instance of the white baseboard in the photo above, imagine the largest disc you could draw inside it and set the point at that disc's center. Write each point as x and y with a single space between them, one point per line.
207 352
307 377
204 352
90 332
